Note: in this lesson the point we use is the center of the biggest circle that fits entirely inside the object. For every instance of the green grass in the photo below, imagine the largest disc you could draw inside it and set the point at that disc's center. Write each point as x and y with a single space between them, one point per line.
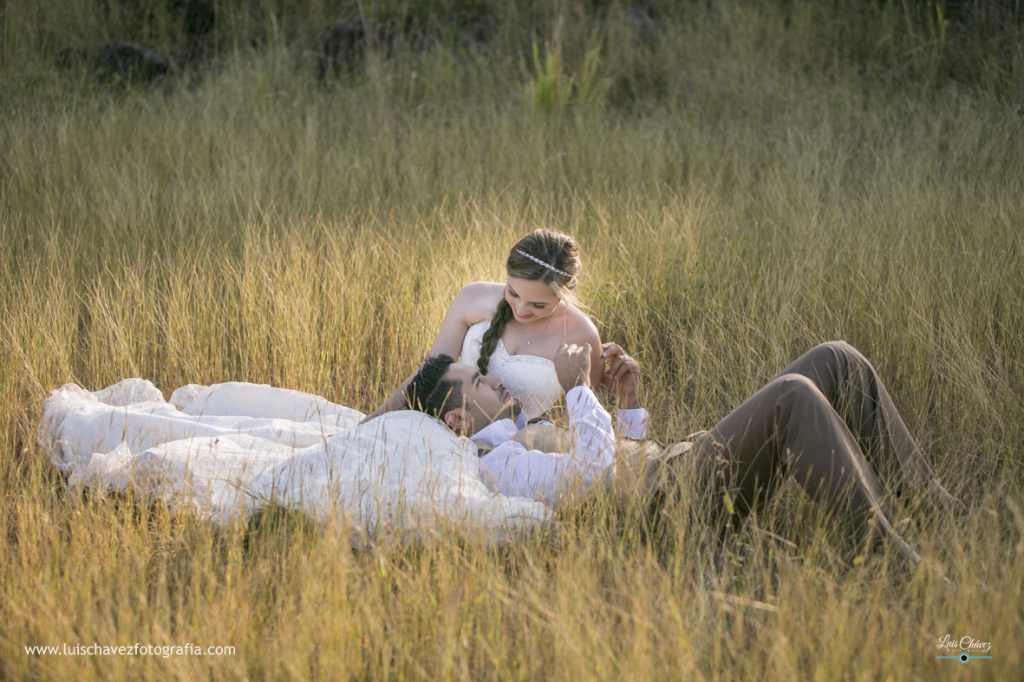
761 179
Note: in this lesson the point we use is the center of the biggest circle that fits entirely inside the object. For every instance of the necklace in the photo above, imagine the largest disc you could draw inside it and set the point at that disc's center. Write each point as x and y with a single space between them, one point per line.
523 328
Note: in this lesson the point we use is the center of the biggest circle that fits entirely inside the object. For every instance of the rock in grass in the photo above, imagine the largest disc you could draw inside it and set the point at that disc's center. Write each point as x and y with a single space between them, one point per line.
129 63
198 16
347 42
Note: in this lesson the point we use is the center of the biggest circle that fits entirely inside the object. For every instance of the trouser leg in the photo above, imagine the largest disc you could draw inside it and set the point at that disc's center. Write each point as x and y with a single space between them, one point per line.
852 386
789 428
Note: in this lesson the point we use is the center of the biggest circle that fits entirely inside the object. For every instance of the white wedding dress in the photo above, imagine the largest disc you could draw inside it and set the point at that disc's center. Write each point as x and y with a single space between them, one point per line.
224 451
532 379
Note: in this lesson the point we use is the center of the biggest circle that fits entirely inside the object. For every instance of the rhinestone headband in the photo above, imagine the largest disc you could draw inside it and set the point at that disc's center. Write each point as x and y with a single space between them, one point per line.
550 267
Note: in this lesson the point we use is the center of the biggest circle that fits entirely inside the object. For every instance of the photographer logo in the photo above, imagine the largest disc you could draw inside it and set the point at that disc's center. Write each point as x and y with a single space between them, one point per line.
963 649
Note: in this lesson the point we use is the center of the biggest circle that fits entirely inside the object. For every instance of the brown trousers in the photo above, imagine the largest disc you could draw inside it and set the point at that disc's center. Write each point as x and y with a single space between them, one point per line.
827 421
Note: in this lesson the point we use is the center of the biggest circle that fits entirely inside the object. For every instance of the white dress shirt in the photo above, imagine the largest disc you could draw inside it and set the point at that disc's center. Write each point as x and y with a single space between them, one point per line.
513 470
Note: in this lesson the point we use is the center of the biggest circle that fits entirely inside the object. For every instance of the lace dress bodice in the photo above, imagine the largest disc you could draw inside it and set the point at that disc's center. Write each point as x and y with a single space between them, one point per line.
532 379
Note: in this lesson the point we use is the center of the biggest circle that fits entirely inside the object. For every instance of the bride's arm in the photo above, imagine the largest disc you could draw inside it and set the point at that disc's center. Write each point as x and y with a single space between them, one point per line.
596 361
586 332
474 302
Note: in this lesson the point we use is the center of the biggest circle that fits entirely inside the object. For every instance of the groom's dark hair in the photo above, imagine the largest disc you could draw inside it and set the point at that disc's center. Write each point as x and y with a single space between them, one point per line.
429 392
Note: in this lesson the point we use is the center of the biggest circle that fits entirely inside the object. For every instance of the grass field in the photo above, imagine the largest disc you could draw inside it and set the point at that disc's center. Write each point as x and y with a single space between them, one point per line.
756 178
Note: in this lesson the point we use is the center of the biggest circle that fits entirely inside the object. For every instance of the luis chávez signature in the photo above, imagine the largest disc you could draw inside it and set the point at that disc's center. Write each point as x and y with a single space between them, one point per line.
965 646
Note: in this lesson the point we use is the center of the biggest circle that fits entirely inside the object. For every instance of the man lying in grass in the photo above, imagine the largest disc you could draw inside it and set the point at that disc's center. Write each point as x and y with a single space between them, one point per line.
827 420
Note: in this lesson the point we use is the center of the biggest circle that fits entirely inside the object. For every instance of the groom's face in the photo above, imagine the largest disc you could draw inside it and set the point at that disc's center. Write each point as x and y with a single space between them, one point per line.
485 400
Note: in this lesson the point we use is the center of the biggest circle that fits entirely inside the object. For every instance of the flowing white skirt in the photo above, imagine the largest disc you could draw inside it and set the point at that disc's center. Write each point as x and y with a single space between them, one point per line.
224 451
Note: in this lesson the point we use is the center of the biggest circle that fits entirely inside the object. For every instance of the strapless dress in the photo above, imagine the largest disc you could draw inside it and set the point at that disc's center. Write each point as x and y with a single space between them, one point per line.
532 379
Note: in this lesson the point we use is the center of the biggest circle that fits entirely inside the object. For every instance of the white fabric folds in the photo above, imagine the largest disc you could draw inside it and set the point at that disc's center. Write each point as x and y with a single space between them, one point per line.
227 450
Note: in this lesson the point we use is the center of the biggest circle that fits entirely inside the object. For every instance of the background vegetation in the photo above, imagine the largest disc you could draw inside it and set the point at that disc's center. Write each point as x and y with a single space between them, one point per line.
746 179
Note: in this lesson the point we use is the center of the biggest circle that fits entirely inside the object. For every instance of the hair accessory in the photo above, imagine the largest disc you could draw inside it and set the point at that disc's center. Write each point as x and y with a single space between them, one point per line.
550 267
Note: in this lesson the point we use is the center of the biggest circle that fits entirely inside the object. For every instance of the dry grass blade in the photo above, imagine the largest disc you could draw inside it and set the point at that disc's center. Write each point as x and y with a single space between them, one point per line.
743 601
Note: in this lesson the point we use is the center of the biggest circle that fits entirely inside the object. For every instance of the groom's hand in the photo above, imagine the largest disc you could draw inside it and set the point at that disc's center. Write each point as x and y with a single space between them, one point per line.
622 377
572 365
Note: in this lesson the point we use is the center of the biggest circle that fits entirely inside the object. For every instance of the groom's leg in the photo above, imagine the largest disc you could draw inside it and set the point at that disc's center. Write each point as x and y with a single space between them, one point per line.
852 385
789 428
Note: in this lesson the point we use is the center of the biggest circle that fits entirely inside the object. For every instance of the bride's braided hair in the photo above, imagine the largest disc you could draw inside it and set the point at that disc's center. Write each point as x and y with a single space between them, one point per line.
561 253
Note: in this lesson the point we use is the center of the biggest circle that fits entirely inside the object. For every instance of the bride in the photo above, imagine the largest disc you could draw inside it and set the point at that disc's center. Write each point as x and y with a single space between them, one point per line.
512 330
225 450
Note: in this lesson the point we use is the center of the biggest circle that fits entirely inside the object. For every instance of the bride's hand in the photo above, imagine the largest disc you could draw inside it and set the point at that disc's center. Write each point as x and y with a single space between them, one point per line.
622 376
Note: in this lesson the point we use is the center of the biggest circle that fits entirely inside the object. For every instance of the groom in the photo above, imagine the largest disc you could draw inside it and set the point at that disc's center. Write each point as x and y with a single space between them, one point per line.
818 421
536 460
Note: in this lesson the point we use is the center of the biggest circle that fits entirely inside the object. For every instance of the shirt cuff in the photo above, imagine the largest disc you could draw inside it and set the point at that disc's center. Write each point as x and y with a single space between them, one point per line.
633 423
577 396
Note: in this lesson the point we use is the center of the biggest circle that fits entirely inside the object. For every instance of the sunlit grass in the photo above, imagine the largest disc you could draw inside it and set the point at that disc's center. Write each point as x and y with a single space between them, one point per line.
252 224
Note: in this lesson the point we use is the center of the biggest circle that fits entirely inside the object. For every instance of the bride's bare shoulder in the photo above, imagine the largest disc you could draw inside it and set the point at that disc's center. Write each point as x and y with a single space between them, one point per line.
477 301
580 328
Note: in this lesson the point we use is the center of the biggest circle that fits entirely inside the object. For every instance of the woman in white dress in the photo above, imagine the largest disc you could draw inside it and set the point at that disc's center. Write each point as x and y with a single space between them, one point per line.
512 329
229 448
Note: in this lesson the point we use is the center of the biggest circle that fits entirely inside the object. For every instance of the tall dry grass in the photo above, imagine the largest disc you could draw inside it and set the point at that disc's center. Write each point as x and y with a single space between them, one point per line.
743 192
